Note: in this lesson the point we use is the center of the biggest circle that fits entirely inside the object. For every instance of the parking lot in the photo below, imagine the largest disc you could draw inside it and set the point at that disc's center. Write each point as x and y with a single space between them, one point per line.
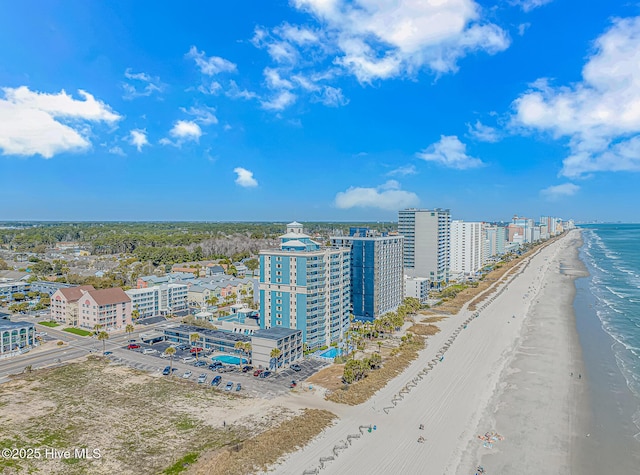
272 386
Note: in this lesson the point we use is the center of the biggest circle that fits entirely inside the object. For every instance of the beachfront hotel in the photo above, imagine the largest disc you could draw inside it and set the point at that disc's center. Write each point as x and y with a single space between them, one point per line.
376 271
466 248
427 243
306 287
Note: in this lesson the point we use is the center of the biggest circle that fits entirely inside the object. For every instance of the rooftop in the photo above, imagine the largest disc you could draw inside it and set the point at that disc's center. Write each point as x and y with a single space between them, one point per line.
221 334
8 325
275 333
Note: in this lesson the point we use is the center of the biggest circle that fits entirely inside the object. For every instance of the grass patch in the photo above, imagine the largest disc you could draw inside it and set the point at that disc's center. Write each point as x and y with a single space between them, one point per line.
77 331
182 464
50 324
56 407
423 330
433 319
265 449
362 390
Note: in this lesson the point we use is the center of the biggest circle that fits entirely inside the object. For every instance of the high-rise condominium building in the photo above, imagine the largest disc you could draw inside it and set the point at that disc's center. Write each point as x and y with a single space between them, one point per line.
495 238
306 287
376 272
427 241
466 247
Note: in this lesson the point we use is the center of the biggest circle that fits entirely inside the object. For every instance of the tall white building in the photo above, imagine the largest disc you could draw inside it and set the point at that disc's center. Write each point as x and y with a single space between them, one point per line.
307 287
427 241
495 239
466 247
376 272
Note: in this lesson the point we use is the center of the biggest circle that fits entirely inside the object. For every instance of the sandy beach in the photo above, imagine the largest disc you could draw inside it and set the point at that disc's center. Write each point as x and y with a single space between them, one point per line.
507 370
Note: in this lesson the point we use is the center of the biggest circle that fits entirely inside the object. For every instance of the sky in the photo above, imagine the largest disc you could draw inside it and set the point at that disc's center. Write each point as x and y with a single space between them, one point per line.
338 110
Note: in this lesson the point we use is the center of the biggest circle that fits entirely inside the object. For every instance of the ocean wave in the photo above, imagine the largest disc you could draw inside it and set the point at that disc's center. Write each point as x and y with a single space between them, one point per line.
618 293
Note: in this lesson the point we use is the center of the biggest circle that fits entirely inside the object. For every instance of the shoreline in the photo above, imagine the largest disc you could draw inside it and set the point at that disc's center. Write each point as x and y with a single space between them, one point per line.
451 400
612 403
541 404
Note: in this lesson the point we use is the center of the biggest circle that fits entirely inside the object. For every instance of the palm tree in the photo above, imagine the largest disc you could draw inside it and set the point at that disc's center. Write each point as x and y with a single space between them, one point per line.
103 337
212 300
135 314
129 329
275 354
96 328
239 347
192 339
170 352
247 350
379 346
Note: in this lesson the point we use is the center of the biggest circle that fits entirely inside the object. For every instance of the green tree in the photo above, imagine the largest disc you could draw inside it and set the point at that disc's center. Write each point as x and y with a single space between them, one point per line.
103 337
4 265
252 264
32 295
129 329
374 360
275 356
247 350
171 351
18 296
135 314
193 338
239 347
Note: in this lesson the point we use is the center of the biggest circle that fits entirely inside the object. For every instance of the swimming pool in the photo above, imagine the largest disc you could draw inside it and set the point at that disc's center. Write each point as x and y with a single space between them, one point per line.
331 353
228 359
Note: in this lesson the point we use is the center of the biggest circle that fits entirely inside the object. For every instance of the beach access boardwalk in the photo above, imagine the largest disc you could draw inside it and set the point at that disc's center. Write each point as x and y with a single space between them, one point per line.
446 391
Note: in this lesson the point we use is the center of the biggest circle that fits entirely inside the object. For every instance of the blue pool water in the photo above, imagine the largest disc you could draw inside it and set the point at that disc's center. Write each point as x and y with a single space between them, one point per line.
330 353
228 359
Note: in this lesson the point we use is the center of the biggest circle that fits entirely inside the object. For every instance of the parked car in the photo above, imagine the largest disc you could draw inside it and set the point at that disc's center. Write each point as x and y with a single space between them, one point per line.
246 369
164 355
265 374
258 372
216 381
295 367
216 364
187 374
202 378
293 384
196 349
238 387
188 359
166 371
229 386
199 364
107 353
149 351
213 367
133 346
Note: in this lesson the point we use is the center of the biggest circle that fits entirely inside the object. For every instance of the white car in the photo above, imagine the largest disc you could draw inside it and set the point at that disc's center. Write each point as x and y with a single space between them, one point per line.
149 351
202 378
187 374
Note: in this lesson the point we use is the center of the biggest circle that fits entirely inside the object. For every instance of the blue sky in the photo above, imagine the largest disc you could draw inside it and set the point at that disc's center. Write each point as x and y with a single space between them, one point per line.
319 109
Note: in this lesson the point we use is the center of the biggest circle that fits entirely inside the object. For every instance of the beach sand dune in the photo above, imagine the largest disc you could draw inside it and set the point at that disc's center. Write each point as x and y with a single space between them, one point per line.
467 391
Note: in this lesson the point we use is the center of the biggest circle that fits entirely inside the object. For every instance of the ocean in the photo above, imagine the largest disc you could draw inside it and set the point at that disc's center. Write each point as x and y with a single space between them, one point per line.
611 253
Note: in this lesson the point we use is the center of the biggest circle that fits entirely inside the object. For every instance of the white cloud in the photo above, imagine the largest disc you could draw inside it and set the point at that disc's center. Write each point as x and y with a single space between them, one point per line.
379 40
141 85
449 152
117 151
234 92
183 131
558 191
387 196
214 88
528 5
274 81
600 115
482 132
204 115
522 27
333 97
245 178
138 138
211 65
280 101
403 171
33 123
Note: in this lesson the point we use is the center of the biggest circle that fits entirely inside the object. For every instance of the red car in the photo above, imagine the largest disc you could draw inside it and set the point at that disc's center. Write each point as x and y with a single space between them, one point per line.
133 346
195 349
257 372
